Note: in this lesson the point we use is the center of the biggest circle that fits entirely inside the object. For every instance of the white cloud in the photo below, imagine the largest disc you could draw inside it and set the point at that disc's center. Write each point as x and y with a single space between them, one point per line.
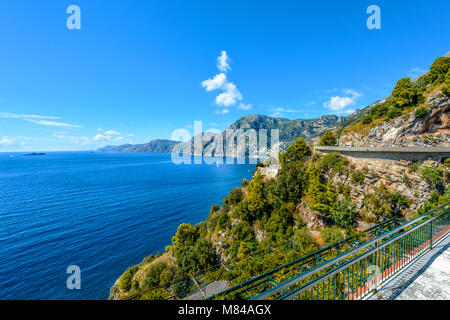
230 97
112 133
416 72
108 138
231 94
244 106
216 83
278 112
41 120
352 93
130 135
25 116
338 103
101 137
223 111
223 62
7 141
53 123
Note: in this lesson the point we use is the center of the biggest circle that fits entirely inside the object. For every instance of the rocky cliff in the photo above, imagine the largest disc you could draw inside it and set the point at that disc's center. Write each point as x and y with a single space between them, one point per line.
432 130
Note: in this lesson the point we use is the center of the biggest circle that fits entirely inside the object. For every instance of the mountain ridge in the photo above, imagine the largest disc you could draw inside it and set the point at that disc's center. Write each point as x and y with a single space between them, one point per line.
290 130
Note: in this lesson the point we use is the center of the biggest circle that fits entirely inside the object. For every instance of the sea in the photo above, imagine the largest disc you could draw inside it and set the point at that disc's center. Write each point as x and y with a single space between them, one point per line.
101 212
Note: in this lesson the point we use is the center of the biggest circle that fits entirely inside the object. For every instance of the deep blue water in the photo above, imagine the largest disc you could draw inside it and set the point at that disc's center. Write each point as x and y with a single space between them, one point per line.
102 212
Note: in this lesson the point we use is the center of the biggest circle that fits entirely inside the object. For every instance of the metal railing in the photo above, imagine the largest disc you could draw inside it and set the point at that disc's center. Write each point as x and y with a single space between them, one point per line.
356 273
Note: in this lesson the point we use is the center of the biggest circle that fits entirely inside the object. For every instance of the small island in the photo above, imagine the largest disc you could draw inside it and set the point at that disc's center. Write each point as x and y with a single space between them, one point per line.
34 154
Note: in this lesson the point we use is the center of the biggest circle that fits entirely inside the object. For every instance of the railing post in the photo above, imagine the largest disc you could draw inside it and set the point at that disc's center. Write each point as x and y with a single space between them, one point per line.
431 234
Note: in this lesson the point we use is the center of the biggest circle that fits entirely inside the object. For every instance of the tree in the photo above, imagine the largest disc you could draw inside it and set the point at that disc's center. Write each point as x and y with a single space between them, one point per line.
404 93
185 237
319 192
328 139
125 281
152 276
446 87
290 182
344 213
255 199
295 152
438 71
197 257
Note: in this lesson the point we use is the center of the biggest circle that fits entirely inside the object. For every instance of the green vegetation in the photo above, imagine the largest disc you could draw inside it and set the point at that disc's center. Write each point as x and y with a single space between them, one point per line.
405 97
266 213
384 204
126 278
296 152
421 112
358 177
431 175
446 163
335 163
446 87
328 139
436 75
404 93
331 235
344 213
435 201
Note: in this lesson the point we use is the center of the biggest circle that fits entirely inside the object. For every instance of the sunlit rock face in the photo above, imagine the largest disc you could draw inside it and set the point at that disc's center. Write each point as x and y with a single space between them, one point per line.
408 131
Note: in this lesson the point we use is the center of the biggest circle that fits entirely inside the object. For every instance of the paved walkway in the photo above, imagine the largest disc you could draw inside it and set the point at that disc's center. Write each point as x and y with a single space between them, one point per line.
428 278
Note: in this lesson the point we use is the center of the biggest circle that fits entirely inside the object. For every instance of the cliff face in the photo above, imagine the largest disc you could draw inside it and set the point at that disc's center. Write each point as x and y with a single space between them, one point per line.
433 130
290 130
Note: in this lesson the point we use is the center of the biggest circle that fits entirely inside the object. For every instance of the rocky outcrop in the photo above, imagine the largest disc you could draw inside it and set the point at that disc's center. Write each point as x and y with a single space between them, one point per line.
408 131
400 177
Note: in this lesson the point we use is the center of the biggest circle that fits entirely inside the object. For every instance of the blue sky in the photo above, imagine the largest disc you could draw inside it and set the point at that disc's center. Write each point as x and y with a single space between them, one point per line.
136 70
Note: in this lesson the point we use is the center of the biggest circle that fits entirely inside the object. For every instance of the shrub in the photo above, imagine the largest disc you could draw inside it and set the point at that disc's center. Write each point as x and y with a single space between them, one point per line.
125 280
358 178
406 180
421 112
438 71
394 112
446 162
244 183
334 161
242 231
331 235
152 276
367 119
328 139
224 221
344 213
432 175
446 87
